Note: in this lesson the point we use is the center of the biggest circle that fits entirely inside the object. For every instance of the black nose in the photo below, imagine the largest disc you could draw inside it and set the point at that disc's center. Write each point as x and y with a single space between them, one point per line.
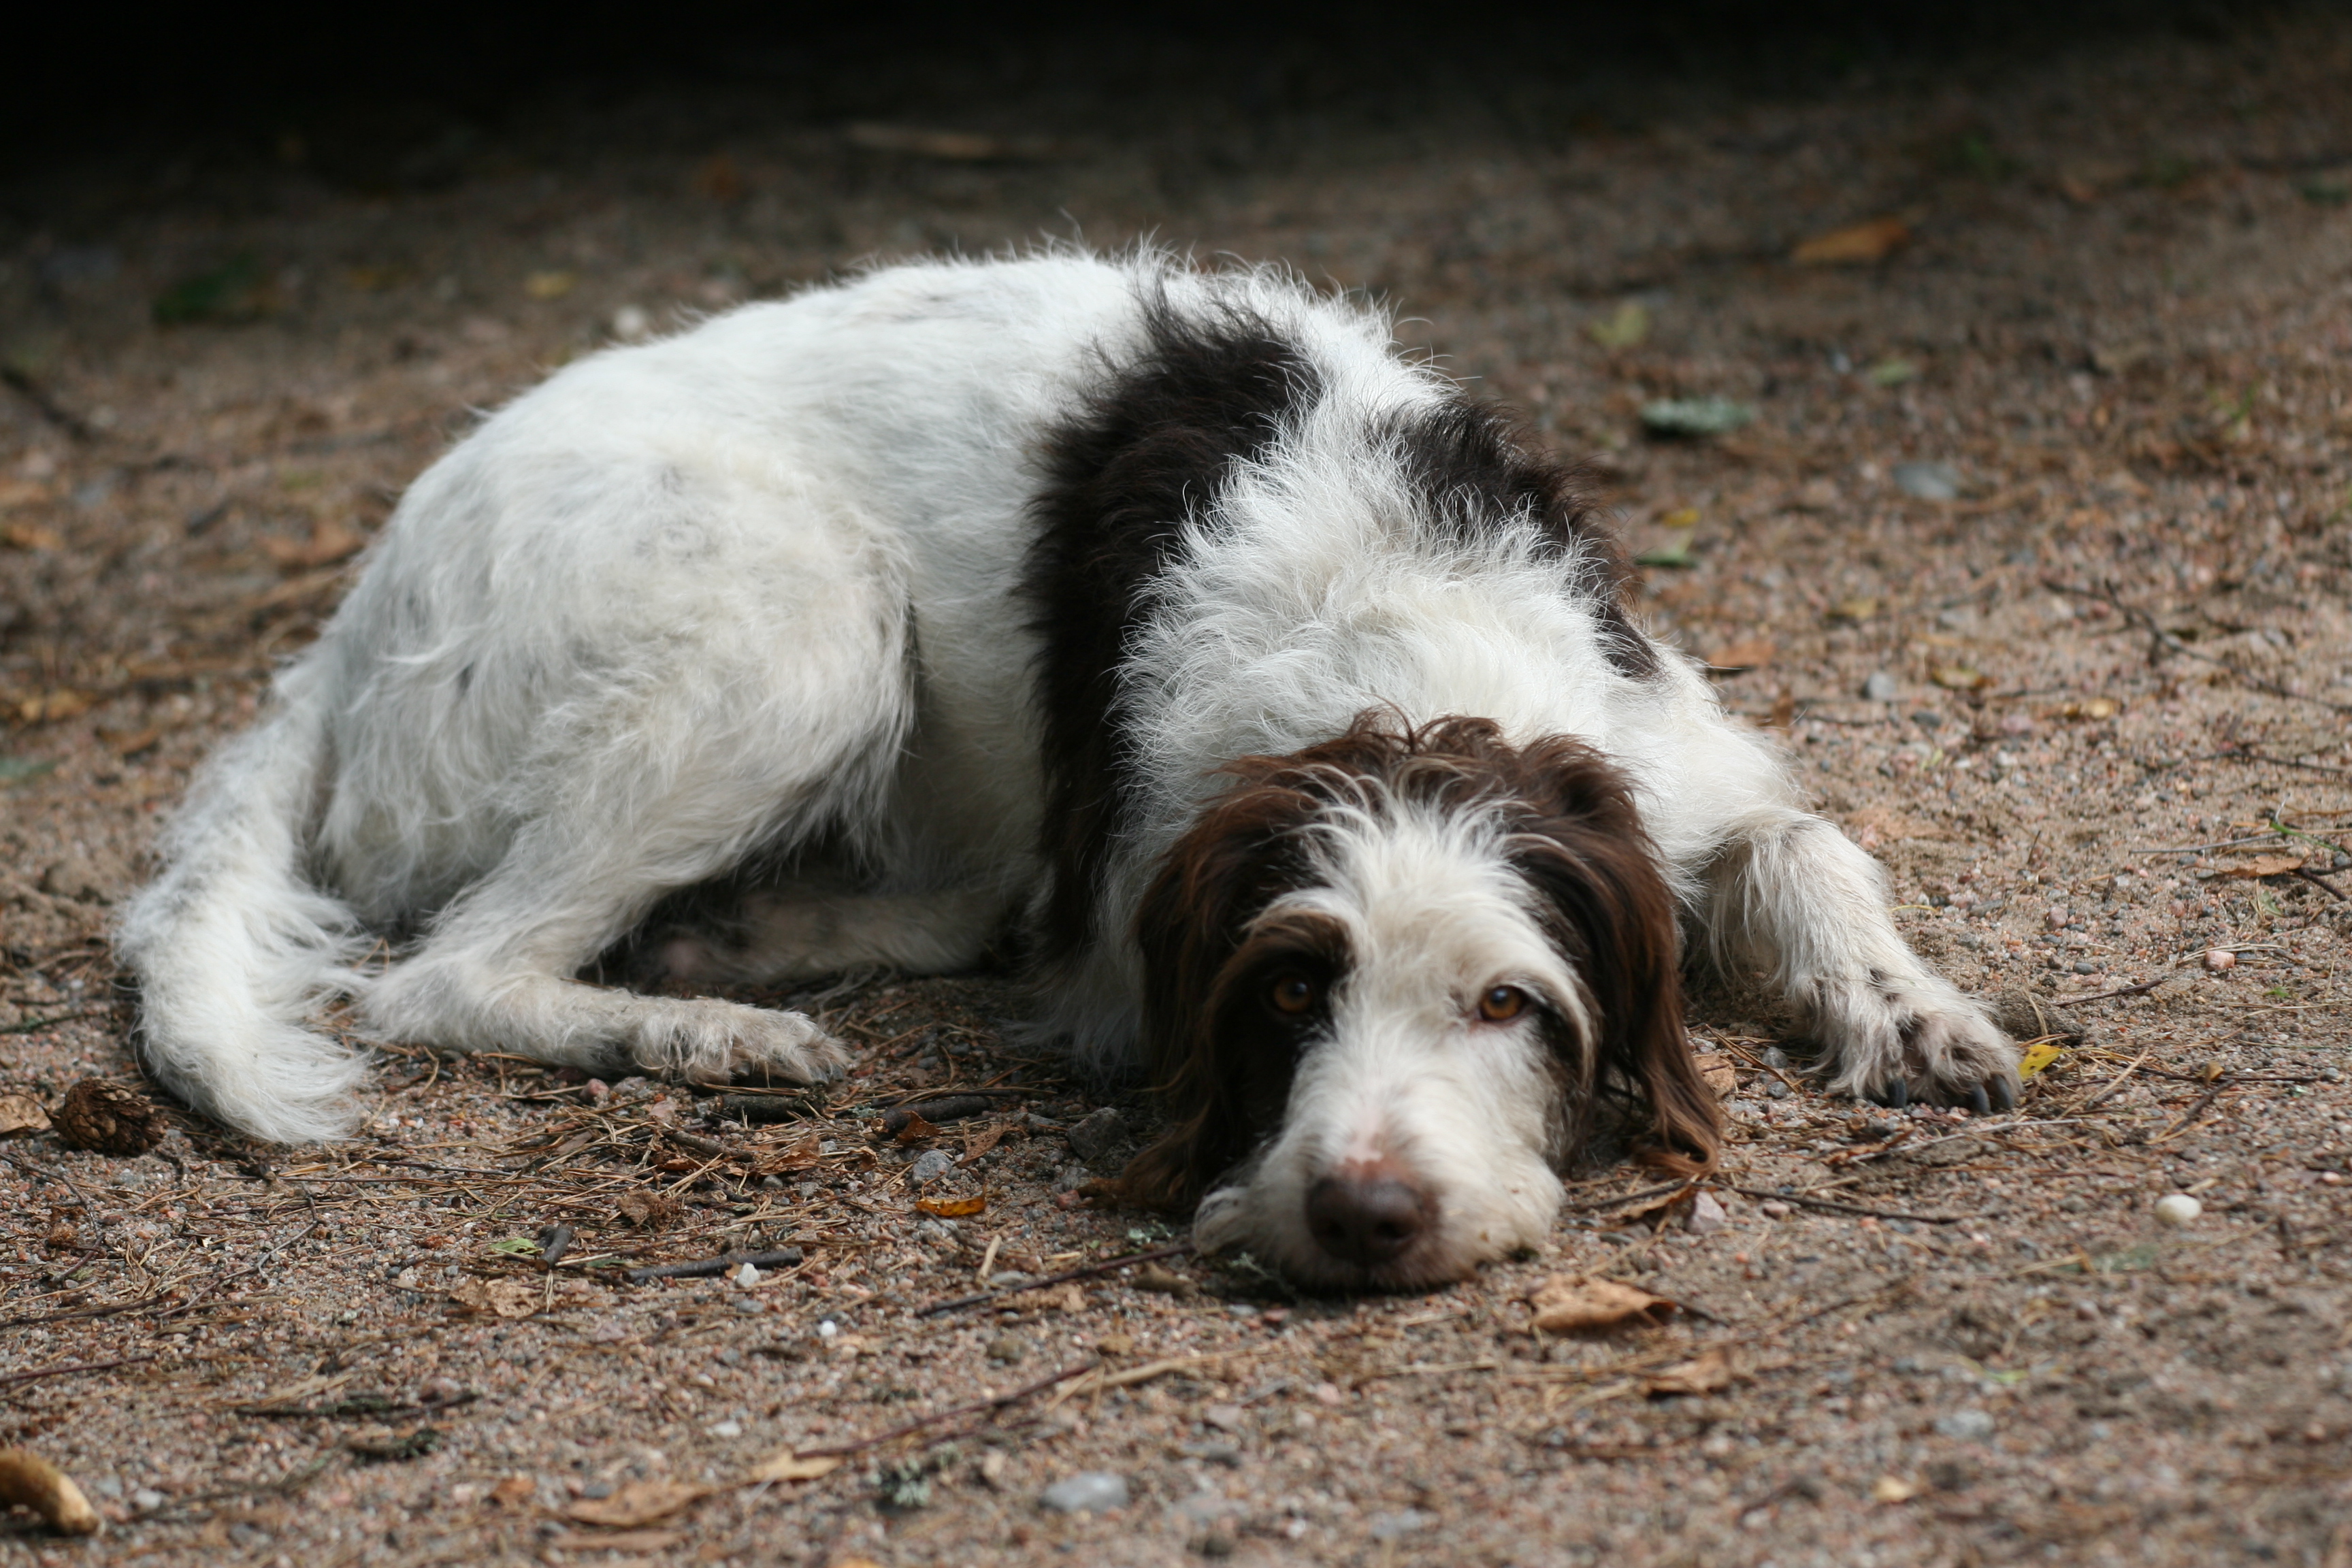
1367 1216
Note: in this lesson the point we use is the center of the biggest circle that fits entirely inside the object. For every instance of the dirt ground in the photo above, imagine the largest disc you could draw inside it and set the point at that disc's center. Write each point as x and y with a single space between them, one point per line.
2063 479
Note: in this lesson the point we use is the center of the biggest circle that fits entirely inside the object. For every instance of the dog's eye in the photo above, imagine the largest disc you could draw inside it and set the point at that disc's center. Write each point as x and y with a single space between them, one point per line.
1502 1003
1292 993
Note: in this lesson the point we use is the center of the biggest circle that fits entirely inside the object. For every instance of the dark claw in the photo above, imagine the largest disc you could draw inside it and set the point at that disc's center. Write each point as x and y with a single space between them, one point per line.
1894 1094
2004 1095
1979 1102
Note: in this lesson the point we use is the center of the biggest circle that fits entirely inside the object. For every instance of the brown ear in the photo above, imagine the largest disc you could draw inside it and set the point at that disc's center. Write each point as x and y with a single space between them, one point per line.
1611 910
1191 922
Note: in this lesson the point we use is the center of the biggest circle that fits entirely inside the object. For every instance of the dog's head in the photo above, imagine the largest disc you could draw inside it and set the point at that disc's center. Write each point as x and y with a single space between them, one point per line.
1389 981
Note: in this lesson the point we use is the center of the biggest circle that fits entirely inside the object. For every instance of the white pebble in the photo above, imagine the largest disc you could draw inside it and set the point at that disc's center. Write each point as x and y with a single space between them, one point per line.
2178 1210
630 321
747 1276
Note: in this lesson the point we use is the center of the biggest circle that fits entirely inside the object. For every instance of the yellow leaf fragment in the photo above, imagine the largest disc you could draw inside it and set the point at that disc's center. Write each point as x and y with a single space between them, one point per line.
1567 1305
2037 1057
788 1465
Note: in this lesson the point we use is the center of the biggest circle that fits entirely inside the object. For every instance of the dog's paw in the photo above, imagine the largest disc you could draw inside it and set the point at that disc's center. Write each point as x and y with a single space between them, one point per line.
1895 1040
719 1041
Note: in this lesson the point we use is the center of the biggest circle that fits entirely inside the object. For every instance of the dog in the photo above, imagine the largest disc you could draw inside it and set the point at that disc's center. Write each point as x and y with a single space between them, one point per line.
1276 701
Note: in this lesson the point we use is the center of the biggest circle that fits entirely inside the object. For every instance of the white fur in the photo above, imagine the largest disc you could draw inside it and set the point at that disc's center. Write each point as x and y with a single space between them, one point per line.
749 588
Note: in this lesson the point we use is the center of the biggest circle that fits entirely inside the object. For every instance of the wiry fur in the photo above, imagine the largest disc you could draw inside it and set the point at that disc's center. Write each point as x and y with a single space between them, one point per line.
942 596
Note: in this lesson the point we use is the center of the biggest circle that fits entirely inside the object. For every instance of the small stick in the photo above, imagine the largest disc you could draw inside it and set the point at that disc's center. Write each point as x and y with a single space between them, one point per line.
725 1263
2317 880
2103 1095
1847 1208
31 1024
1632 1197
995 1402
1105 1267
2142 989
2212 1092
70 1369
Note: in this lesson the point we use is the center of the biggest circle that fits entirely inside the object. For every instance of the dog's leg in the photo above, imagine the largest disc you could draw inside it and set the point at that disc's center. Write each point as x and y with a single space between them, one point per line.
783 937
494 975
1792 895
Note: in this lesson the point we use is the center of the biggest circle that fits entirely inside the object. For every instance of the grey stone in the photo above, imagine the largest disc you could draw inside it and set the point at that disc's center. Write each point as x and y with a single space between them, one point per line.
1007 1348
1707 1216
1097 1136
1088 1491
1966 1426
1214 1453
1403 1523
1881 687
146 1499
929 1166
1928 481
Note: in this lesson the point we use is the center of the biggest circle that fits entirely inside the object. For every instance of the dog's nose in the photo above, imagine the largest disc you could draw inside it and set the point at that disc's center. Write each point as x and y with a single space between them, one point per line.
1366 1215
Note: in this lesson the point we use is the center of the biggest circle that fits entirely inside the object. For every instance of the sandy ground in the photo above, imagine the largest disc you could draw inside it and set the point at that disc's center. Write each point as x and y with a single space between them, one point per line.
2064 478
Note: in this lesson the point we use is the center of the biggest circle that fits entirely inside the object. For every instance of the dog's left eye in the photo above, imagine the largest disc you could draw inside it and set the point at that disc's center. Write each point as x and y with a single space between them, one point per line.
1502 1003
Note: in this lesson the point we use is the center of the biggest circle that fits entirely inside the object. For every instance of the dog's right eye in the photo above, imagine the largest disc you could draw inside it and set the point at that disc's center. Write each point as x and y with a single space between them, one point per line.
1292 993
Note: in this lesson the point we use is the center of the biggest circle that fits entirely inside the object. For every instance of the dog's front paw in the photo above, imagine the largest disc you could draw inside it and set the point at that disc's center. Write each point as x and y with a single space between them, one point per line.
724 1040
1895 1040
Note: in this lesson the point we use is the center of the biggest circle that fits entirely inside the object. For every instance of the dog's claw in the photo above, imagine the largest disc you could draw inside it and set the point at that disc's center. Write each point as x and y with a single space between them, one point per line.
1979 1102
2004 1095
1894 1094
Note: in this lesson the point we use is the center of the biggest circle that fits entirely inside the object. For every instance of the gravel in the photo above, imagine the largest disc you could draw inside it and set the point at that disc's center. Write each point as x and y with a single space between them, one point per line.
1089 1491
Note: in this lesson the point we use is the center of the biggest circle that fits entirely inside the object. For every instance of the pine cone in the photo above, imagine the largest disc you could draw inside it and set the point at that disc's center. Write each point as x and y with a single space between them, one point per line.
109 1118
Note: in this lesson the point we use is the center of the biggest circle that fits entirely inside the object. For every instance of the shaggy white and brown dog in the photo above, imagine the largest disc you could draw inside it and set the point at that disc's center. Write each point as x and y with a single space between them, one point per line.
1274 698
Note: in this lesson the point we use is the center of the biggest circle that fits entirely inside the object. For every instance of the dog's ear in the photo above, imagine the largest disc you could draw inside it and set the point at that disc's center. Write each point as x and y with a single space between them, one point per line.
1191 922
1609 909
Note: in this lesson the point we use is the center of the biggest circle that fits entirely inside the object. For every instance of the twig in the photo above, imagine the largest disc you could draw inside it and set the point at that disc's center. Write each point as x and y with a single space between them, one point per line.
2316 880
34 393
31 1026
2142 989
994 1401
2248 755
1847 1208
11 1379
2175 645
2107 1093
1633 1197
2204 1102
1105 1267
725 1263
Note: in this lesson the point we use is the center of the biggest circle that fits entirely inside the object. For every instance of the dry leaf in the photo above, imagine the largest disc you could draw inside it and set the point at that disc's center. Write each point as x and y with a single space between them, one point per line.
2037 1057
649 1211
1959 677
1704 1373
1753 653
980 1141
1715 1071
639 1502
953 1208
514 1490
1857 244
30 536
916 1129
1568 1305
506 1298
21 1113
789 1467
2265 866
1893 1488
51 706
1856 610
329 542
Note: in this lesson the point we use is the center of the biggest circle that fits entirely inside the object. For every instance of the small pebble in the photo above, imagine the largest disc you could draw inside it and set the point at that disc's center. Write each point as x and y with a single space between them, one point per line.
727 1428
929 1166
1774 1207
1965 1426
1707 1216
747 1276
147 1501
630 322
2221 958
1089 1491
1881 688
1406 1522
2180 1209
1007 1348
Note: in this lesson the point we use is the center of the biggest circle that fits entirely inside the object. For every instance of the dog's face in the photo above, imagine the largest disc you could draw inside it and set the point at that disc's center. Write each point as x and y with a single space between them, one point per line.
1386 979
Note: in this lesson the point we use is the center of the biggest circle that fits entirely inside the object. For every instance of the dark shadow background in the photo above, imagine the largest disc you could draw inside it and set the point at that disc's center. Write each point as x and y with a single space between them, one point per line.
401 96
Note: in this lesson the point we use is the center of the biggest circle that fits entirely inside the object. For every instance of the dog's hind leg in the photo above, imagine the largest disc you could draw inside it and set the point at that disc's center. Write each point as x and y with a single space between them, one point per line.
787 936
1791 894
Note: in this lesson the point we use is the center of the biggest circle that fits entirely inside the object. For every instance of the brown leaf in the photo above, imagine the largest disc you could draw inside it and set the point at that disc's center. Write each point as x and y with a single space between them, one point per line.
329 542
1166 1281
789 1467
639 1502
1856 610
505 1298
48 707
21 1113
916 1129
798 1155
2267 866
981 1140
1580 1304
1715 1069
1750 653
30 536
1704 1373
953 1208
649 1211
1857 244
